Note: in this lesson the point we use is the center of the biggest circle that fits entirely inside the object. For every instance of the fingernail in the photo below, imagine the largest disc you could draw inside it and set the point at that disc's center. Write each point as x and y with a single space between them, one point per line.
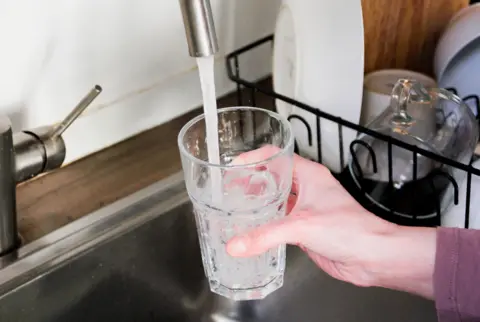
237 246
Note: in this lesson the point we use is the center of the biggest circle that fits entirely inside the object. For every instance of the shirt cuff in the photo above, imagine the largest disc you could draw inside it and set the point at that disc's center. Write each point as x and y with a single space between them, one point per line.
457 274
444 283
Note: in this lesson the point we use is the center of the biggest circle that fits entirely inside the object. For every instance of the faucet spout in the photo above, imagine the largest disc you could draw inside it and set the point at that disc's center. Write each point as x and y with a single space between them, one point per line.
199 27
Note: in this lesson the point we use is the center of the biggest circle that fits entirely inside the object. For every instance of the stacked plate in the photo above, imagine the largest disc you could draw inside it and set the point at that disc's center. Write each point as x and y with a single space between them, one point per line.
457 57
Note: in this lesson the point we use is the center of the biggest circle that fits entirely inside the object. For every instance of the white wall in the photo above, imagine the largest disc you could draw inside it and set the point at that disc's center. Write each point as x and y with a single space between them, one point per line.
53 51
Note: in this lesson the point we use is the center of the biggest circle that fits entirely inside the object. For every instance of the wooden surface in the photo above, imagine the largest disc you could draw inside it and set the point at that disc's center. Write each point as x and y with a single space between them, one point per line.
53 200
404 33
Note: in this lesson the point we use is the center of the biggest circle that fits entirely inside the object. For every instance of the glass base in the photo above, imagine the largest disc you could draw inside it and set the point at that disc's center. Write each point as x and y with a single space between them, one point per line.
257 293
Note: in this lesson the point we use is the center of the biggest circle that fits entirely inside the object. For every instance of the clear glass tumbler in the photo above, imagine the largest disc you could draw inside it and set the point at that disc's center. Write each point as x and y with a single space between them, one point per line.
231 198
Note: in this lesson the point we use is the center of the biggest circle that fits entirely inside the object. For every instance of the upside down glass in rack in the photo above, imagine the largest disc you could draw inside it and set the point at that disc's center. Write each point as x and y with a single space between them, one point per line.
246 194
406 182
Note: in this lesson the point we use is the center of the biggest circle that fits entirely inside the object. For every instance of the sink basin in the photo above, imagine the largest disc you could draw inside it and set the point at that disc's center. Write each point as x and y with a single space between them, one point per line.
139 260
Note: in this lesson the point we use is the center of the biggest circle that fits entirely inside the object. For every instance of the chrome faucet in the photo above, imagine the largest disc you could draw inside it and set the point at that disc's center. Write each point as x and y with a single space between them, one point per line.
199 27
24 155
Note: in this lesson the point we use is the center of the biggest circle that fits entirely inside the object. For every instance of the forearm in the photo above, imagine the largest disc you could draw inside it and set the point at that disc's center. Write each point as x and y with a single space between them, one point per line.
441 264
406 261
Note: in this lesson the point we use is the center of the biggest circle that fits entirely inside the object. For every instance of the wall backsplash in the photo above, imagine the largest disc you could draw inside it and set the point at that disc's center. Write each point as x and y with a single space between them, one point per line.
54 51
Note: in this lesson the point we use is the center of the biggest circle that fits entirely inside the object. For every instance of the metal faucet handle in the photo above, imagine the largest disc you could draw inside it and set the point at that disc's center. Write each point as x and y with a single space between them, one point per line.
43 149
76 112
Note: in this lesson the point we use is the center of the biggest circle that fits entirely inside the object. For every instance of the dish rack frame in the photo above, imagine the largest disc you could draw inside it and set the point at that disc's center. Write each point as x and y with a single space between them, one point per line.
234 73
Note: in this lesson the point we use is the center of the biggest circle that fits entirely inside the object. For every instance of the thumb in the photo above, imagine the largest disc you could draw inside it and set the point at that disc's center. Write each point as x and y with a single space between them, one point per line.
288 230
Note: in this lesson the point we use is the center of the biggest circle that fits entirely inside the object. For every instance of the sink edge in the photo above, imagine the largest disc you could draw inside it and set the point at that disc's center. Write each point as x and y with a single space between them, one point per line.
50 251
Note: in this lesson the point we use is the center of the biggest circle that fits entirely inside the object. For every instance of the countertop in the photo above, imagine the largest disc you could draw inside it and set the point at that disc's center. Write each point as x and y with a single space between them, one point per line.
53 200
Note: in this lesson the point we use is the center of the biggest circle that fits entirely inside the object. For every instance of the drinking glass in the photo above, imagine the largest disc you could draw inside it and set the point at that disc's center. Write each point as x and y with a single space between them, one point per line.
232 197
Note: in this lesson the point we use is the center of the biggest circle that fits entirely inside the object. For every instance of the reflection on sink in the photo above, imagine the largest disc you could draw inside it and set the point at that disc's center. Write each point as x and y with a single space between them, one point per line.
139 260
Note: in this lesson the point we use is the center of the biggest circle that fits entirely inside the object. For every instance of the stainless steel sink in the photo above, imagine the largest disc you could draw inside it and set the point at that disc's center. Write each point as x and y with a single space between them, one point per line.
139 260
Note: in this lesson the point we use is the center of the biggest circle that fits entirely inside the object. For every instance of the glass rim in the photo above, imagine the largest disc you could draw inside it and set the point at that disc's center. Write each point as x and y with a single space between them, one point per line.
189 124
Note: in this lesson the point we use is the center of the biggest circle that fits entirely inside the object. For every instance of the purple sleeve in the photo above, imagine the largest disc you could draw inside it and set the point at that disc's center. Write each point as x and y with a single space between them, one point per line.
456 279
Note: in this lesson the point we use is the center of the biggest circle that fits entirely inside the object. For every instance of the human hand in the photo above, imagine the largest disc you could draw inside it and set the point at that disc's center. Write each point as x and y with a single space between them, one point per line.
340 236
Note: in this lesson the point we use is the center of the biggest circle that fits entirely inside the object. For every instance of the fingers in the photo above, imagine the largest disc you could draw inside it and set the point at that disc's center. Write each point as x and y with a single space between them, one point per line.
288 230
301 165
291 202
268 161
257 155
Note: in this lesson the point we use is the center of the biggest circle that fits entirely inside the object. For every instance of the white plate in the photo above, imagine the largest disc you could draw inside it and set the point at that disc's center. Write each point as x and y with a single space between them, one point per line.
461 30
463 74
318 60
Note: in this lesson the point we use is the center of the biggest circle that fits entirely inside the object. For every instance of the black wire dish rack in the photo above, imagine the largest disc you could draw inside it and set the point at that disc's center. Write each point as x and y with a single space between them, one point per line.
437 183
